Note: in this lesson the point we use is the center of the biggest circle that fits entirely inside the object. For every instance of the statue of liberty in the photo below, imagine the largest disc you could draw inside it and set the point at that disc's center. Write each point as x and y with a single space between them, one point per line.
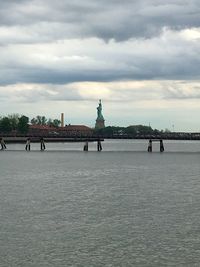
99 111
100 119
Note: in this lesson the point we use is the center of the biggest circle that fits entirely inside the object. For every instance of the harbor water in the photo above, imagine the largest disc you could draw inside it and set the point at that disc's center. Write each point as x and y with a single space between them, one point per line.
119 207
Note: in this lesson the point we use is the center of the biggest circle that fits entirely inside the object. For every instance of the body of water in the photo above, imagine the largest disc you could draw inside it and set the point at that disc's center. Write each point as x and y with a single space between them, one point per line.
119 207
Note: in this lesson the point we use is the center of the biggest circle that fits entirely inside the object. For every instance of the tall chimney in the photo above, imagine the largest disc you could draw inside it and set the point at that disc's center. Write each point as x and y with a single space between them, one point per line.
62 119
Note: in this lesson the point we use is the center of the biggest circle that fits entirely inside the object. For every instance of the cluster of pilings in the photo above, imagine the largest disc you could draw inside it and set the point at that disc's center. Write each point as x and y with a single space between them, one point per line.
43 146
155 140
28 144
99 146
86 145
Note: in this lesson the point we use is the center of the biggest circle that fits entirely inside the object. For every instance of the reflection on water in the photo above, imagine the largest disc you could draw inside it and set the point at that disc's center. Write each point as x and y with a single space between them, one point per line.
63 208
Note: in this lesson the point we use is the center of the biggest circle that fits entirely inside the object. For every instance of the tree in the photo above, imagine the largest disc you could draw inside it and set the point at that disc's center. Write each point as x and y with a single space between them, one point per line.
14 120
39 120
33 121
139 130
43 120
56 123
23 124
50 122
131 130
5 125
110 131
142 129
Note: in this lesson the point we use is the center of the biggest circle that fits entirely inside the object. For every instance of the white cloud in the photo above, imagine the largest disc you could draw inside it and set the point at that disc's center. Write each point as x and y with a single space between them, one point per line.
173 55
122 91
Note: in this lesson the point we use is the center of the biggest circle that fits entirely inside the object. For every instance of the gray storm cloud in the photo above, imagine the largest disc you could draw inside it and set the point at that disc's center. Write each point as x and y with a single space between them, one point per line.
119 20
168 56
61 42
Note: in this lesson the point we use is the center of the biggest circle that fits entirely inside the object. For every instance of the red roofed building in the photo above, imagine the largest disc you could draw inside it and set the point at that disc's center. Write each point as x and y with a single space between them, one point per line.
76 130
67 131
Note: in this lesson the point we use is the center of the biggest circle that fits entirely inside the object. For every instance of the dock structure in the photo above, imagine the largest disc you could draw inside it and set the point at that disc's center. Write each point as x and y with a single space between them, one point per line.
149 149
37 139
41 140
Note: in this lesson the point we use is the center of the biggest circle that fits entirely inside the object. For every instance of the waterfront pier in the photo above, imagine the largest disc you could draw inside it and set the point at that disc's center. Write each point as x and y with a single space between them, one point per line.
84 141
42 141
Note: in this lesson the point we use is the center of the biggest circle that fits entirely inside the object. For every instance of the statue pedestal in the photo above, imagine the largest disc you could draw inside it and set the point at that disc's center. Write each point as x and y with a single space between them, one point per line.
100 124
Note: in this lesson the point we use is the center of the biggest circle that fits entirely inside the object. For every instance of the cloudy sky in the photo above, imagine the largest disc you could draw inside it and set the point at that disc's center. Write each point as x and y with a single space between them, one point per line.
141 57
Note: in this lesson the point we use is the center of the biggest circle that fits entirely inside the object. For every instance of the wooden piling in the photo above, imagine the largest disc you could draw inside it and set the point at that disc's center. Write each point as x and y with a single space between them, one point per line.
28 144
99 146
42 144
3 145
85 148
155 140
150 146
161 146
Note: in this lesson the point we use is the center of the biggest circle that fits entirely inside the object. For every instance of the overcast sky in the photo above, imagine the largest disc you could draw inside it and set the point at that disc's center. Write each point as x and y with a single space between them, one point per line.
141 57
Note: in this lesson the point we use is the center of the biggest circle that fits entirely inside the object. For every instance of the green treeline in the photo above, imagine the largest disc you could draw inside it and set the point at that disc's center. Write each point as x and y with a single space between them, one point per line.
20 123
132 130
14 122
42 120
